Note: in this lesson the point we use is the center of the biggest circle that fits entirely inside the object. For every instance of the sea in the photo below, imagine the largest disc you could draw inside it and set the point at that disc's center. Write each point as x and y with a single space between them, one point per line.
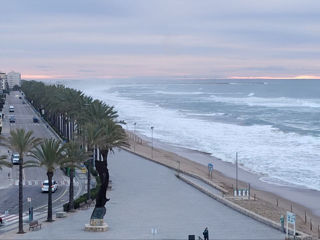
273 125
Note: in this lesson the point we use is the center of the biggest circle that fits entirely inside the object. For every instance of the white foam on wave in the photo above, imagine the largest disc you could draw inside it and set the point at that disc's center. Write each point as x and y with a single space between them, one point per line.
177 93
288 157
205 114
268 102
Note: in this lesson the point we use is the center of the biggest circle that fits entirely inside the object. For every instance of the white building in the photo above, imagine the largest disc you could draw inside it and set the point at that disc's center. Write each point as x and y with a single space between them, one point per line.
13 78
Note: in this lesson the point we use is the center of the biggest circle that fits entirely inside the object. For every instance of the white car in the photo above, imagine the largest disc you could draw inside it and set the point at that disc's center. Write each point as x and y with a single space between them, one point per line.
15 158
45 186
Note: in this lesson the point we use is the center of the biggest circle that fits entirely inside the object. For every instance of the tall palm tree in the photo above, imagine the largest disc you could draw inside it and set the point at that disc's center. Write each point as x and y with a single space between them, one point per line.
74 156
92 136
113 136
21 142
91 114
49 155
3 162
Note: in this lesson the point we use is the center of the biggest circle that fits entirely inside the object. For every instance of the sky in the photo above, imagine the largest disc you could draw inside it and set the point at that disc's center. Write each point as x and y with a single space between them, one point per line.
102 39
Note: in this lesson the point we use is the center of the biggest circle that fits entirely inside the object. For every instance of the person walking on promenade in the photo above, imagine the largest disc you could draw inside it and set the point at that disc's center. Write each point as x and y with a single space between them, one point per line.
206 234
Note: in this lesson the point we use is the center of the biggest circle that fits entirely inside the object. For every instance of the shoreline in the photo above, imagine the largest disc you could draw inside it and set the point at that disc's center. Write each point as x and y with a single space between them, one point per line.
304 202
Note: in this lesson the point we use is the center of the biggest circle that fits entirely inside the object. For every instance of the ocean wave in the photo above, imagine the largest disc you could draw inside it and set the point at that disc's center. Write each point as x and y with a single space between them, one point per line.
177 93
284 157
281 102
287 156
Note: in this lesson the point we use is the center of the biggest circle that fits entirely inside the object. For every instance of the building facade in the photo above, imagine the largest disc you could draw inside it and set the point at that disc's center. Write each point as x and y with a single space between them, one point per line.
3 81
13 78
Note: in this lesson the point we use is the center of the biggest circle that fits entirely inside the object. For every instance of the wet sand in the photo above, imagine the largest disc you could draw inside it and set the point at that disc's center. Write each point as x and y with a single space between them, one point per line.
302 201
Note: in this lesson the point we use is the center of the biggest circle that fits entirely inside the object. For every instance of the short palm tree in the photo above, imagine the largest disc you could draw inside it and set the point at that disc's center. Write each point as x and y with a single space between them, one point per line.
3 162
74 156
20 142
49 155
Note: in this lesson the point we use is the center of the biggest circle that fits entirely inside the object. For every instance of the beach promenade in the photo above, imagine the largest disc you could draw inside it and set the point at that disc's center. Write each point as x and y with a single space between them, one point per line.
266 200
147 196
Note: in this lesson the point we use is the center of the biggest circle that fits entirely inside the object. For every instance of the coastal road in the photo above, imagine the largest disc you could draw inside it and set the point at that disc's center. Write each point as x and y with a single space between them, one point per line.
33 177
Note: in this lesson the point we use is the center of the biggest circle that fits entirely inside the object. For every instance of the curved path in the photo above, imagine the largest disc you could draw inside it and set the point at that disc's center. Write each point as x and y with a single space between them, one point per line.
148 196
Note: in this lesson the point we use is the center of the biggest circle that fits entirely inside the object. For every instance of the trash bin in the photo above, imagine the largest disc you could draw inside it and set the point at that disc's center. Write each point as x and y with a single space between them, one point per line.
192 237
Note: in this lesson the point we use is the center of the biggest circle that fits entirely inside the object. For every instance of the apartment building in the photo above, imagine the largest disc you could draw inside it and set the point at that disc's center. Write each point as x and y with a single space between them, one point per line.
3 81
13 78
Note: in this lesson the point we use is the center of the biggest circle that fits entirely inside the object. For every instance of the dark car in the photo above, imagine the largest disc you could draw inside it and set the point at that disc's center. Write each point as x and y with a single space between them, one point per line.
35 120
12 119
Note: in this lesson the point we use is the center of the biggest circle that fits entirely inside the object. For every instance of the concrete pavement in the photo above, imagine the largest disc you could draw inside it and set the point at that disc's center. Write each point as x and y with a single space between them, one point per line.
148 196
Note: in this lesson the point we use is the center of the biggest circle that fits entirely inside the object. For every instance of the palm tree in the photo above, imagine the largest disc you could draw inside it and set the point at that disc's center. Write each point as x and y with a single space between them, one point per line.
113 136
92 136
89 117
74 157
21 142
49 155
3 162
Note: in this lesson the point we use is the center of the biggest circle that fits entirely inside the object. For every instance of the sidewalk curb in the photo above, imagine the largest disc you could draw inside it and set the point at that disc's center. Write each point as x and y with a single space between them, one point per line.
240 209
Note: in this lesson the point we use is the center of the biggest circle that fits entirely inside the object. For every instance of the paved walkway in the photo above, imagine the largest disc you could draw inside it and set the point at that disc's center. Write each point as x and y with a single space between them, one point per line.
146 195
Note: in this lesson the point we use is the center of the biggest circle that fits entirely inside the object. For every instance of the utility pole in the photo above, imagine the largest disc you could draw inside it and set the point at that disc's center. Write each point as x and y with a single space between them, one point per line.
237 172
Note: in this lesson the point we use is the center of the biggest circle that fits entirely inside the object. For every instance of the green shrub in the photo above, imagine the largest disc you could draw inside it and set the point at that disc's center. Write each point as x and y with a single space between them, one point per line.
94 172
94 192
66 207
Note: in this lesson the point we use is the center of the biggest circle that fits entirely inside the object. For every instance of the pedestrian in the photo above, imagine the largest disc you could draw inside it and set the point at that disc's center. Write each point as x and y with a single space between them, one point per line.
206 234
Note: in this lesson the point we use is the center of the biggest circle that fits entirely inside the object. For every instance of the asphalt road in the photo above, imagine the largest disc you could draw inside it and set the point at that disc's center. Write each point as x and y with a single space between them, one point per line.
34 176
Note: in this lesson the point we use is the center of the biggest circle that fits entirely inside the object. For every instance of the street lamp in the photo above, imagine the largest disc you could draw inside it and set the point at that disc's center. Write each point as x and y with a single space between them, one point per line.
237 172
134 137
152 142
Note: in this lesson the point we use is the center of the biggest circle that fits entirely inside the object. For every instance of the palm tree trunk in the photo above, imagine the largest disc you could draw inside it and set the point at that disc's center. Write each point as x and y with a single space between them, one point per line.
102 168
50 175
71 202
89 181
20 197
89 166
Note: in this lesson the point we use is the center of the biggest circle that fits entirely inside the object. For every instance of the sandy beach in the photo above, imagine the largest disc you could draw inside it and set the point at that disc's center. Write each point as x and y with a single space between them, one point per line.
272 200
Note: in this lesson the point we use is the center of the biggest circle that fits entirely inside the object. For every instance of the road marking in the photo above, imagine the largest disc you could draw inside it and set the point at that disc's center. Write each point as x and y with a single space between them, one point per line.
11 218
39 182
57 199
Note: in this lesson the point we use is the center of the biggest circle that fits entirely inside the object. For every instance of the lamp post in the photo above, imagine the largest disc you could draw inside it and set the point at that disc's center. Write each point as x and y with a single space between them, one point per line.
134 136
237 172
152 142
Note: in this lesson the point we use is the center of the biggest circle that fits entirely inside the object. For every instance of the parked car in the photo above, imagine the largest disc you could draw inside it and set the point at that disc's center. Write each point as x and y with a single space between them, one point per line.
35 120
45 186
12 119
11 108
15 158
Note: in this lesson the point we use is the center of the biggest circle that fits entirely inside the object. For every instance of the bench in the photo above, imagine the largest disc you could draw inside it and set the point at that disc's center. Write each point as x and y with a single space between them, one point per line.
34 224
61 214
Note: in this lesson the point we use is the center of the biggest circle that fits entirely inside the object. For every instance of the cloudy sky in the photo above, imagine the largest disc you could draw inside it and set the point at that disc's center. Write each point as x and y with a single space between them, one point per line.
93 39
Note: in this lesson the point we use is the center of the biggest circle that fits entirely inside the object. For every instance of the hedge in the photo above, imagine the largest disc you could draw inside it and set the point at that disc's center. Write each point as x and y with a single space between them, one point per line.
81 199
